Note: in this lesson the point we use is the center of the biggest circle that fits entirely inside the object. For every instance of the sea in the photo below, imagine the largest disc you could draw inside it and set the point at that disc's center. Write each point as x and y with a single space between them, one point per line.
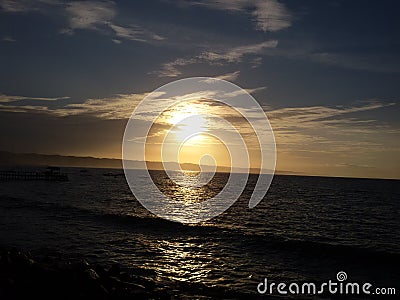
306 229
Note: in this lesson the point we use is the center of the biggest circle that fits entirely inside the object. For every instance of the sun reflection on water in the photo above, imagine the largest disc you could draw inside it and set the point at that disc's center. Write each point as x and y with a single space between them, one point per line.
182 261
186 192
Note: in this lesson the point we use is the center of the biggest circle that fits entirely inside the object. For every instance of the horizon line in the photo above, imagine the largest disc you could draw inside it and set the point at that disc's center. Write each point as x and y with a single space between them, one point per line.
251 170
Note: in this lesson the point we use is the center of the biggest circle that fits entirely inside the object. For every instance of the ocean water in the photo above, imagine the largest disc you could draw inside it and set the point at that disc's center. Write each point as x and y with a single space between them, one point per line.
306 229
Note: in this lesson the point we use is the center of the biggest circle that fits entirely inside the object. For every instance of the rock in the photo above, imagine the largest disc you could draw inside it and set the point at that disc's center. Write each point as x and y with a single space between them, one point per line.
22 277
7 288
23 260
103 289
100 271
115 270
114 280
81 265
91 274
5 260
124 276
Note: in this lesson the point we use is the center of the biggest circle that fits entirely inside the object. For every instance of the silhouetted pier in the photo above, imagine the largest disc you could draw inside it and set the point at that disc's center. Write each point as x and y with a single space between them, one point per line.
51 174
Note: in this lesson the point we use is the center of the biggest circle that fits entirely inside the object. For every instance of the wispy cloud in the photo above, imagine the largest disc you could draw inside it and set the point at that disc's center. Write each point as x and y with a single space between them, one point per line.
97 15
236 54
117 107
268 15
329 129
100 16
134 33
14 6
271 15
35 109
323 140
8 39
90 14
23 6
13 98
170 69
286 121
111 108
221 56
305 116
255 63
229 76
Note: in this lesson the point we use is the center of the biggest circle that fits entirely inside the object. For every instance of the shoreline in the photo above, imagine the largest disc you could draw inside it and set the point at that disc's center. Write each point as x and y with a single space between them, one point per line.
23 276
27 276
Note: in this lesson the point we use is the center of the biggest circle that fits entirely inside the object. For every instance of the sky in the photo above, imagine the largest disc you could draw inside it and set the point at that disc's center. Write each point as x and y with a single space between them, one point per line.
326 73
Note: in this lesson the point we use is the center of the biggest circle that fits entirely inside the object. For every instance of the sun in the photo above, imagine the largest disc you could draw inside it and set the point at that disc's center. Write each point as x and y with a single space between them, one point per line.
191 129
187 134
188 122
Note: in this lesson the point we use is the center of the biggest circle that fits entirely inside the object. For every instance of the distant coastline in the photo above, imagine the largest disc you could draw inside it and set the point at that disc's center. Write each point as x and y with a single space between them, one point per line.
11 159
36 159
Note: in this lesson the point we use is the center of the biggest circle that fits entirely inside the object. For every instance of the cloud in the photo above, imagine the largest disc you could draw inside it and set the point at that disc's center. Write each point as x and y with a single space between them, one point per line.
271 15
119 106
229 76
268 15
329 129
90 14
112 108
13 98
323 140
170 69
95 15
99 16
23 6
8 39
14 6
134 33
17 6
286 121
255 90
237 53
222 56
255 63
24 108
303 116
319 140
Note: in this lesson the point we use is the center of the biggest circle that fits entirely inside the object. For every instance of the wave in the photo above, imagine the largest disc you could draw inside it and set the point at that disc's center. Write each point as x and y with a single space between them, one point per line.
257 242
146 224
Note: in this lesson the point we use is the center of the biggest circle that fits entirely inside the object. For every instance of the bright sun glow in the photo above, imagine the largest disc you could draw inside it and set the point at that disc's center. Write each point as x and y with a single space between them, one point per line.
187 136
188 121
192 127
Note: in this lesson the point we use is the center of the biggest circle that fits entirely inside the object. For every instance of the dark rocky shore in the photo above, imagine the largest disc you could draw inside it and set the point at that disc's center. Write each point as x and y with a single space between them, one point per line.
52 276
25 277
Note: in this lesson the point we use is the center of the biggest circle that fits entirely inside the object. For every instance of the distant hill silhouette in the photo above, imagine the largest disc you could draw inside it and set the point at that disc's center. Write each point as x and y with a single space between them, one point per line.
9 159
34 159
